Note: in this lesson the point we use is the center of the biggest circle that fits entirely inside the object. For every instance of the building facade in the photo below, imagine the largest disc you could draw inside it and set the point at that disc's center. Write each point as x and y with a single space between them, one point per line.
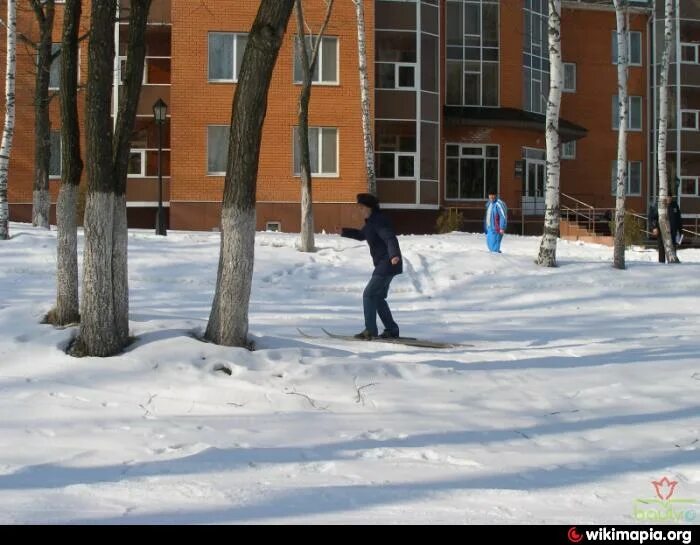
459 93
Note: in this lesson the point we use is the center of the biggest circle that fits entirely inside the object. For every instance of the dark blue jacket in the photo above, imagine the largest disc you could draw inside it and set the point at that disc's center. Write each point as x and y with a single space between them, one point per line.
383 244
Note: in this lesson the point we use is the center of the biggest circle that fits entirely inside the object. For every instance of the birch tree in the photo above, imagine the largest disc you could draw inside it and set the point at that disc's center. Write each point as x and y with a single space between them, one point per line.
104 311
228 320
44 12
621 16
67 308
664 198
547 256
9 127
307 57
365 97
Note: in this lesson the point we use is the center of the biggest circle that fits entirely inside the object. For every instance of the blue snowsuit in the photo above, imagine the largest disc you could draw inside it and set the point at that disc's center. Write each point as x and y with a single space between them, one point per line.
495 224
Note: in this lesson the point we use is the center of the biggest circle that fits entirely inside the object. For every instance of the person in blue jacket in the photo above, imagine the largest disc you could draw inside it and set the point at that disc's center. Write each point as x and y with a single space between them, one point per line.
386 256
495 222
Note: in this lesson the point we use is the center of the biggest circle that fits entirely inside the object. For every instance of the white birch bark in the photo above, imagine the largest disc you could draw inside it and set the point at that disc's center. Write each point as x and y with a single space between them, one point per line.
9 128
623 103
664 198
547 256
365 97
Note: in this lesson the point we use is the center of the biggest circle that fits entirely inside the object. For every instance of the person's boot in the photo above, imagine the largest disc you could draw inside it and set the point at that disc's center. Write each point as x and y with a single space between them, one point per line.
386 334
364 335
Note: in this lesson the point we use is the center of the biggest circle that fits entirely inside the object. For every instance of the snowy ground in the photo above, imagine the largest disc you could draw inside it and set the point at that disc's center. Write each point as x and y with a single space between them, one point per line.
580 388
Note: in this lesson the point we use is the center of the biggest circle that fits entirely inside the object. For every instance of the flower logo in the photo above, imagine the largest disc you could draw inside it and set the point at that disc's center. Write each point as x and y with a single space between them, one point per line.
664 488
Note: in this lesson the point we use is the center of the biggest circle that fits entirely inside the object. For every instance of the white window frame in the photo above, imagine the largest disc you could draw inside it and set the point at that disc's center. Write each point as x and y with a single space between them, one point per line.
616 118
142 153
483 147
565 88
335 174
122 66
696 114
697 182
629 47
397 67
277 224
319 63
613 178
397 155
568 156
695 50
234 36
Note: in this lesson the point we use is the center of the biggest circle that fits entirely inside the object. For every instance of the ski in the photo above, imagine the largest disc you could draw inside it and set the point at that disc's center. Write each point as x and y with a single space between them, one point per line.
407 341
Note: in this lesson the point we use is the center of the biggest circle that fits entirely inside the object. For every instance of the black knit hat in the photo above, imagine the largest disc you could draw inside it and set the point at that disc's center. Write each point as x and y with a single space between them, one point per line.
368 200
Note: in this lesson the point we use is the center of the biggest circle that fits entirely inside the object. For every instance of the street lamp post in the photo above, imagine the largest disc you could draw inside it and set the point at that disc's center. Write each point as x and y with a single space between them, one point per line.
160 111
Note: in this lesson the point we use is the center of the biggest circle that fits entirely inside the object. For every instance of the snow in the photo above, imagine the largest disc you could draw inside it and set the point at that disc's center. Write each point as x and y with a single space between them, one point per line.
580 387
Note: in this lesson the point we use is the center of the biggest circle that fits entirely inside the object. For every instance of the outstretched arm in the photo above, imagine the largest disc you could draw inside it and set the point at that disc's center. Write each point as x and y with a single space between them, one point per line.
348 232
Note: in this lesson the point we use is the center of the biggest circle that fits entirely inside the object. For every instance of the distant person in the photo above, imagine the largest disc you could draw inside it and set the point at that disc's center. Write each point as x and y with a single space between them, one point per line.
386 256
495 222
675 220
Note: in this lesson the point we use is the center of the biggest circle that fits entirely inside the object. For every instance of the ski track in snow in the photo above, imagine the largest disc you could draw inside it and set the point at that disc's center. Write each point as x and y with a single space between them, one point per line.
581 388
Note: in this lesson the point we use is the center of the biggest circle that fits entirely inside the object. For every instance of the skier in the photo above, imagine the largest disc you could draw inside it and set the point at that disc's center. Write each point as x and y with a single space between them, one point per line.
675 220
386 255
495 222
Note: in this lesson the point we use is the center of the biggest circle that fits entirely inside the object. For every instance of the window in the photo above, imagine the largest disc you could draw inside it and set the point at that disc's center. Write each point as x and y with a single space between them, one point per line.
535 57
273 226
472 52
323 148
225 55
217 149
634 113
55 73
55 166
689 186
326 69
689 120
634 178
137 164
634 48
395 75
569 77
471 171
568 150
689 53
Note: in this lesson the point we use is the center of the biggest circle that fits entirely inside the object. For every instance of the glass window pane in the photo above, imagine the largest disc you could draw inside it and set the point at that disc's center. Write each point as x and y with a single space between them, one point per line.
635 52
330 59
55 157
452 179
55 71
407 76
490 25
313 149
330 149
635 113
455 26
472 88
406 166
490 83
634 183
471 179
220 56
452 151
615 112
454 83
472 19
385 75
385 165
491 177
241 42
217 148
135 165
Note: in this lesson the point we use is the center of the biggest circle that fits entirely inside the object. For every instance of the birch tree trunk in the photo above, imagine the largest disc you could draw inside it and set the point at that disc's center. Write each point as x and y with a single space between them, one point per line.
41 200
621 176
664 198
228 321
308 61
67 308
365 97
547 256
9 127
